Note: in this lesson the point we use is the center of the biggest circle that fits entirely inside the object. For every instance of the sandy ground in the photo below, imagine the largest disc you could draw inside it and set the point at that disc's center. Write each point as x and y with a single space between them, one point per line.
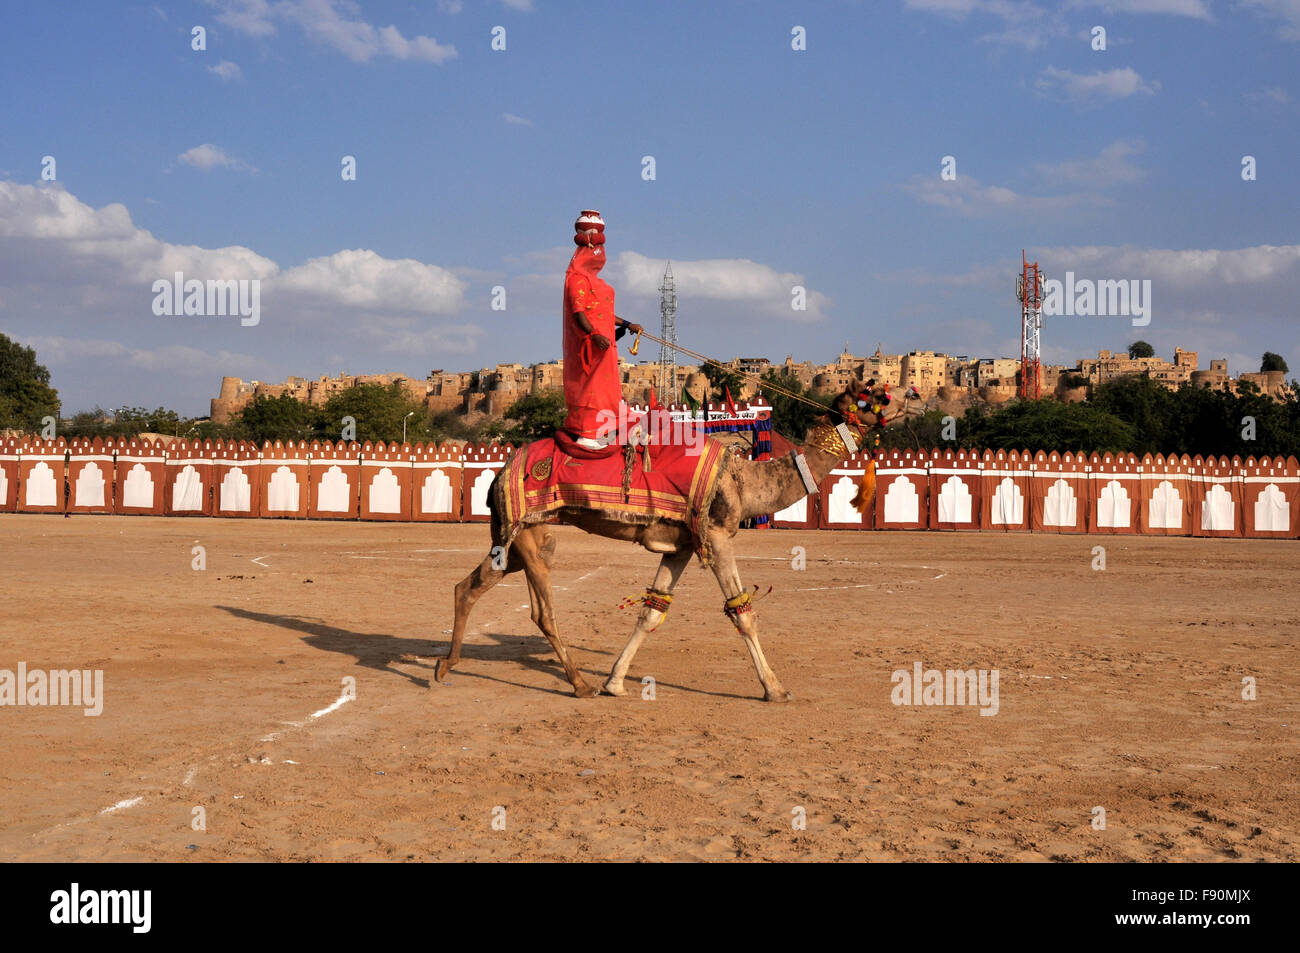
1119 689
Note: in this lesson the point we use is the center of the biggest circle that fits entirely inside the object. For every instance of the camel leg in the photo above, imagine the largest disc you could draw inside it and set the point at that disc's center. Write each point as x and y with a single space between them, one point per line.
468 591
535 546
670 570
724 567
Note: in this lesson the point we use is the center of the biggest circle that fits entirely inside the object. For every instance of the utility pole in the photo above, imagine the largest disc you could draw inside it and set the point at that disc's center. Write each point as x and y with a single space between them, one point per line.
668 333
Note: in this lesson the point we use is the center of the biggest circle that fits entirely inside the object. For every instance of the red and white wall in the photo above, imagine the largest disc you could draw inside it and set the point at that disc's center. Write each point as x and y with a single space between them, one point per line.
1004 490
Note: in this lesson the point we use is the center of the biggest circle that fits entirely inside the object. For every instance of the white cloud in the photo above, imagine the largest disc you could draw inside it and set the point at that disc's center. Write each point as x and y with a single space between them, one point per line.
1109 167
78 281
450 6
1119 83
360 278
50 233
1191 269
1030 25
423 48
966 194
207 157
252 17
1023 23
447 339
1006 9
334 24
168 359
1288 11
73 235
1270 96
525 6
1183 269
516 120
227 70
1196 9
736 280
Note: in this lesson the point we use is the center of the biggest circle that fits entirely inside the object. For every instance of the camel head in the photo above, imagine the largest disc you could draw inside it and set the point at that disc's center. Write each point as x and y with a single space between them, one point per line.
870 404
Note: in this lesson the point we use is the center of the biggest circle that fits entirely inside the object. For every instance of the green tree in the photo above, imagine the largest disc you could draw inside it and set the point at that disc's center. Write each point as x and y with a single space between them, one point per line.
1273 362
379 412
1149 406
283 417
792 417
1046 425
920 433
1140 349
126 422
720 380
25 392
531 418
448 425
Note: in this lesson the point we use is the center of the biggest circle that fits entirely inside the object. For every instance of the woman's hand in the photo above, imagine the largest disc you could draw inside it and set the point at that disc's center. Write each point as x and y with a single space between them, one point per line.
600 341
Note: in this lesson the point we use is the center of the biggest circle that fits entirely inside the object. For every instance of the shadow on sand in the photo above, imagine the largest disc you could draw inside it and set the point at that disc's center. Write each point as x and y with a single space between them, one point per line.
380 651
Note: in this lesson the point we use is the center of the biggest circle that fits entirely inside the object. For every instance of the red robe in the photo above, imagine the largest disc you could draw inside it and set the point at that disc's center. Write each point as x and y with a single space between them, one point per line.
591 378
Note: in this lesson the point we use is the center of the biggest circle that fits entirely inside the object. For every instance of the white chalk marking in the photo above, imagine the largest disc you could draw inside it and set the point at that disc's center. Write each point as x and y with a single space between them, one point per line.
258 560
123 805
339 703
861 585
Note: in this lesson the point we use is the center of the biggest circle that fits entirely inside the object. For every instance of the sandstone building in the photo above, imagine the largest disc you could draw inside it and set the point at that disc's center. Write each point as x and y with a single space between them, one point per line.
938 378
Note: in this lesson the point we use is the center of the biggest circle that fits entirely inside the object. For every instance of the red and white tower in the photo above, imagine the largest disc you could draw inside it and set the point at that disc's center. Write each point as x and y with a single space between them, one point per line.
1029 292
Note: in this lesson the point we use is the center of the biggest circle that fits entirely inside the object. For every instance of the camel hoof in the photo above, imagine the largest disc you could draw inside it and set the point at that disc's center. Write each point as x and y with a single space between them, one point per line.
781 697
610 688
584 691
441 669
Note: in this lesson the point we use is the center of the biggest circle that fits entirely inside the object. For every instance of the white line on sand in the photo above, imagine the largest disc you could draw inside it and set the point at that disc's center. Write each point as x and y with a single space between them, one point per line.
338 703
123 805
258 560
861 585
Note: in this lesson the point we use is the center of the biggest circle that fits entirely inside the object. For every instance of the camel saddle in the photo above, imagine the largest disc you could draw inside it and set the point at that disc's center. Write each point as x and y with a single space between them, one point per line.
632 484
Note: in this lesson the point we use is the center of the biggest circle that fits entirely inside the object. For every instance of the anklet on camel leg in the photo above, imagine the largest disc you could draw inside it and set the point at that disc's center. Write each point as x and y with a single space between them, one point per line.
737 606
659 601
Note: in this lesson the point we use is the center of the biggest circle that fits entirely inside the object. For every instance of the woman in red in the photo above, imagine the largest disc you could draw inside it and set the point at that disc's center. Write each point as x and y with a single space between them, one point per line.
591 376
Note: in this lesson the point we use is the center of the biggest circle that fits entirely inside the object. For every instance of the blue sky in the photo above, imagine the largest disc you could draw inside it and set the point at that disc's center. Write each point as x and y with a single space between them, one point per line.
773 167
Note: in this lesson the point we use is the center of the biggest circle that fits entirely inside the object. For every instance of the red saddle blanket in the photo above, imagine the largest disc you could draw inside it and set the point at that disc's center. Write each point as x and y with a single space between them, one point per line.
549 475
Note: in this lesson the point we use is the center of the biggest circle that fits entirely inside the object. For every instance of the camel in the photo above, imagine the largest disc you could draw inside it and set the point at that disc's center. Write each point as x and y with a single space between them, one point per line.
746 489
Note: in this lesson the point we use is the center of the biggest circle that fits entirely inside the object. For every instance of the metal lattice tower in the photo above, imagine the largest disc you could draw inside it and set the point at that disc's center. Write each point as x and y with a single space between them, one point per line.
1029 292
668 332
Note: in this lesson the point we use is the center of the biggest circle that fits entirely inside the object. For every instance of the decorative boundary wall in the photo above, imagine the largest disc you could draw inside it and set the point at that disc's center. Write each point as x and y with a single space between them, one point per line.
1005 491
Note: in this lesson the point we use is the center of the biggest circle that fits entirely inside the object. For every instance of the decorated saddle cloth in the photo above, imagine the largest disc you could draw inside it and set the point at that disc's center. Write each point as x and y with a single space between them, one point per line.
676 482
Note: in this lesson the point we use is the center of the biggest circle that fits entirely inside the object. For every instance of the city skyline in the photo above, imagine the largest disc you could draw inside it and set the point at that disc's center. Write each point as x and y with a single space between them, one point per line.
938 378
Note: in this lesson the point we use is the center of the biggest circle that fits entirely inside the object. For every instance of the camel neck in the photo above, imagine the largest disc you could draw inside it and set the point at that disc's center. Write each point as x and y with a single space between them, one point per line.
773 485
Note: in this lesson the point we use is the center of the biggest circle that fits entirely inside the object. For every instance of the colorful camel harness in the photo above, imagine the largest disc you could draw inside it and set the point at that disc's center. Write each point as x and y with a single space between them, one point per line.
835 439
